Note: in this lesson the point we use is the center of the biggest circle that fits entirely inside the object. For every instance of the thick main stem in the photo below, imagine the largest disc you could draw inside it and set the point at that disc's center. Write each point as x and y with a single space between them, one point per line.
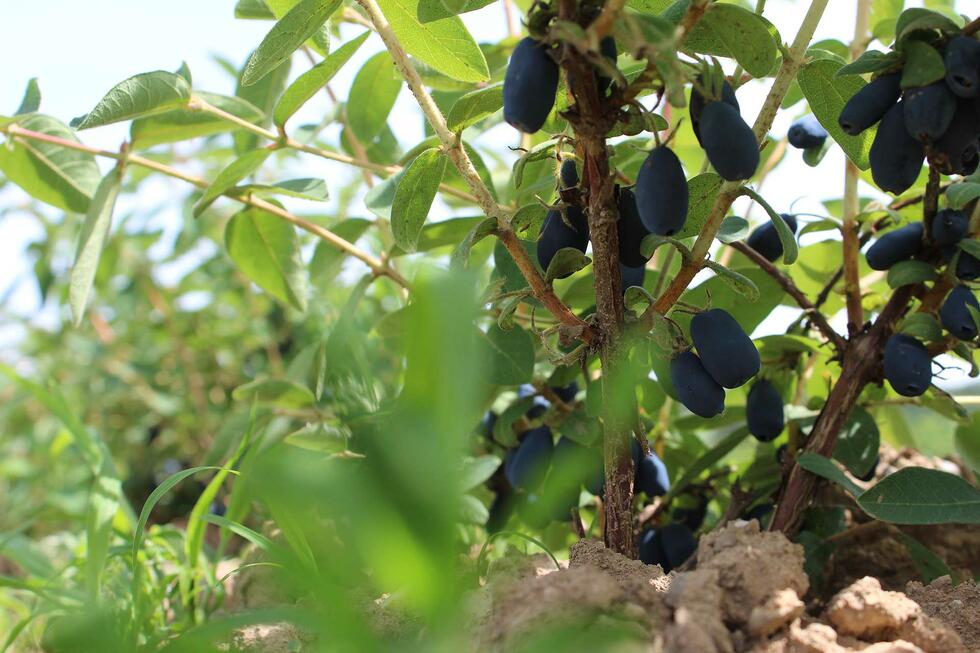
859 367
592 120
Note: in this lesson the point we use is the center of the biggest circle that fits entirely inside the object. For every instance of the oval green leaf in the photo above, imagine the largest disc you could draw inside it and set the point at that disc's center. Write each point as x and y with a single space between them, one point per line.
233 173
61 177
475 106
140 95
904 273
298 24
372 95
413 197
916 495
445 44
306 85
183 124
266 249
90 243
511 356
827 94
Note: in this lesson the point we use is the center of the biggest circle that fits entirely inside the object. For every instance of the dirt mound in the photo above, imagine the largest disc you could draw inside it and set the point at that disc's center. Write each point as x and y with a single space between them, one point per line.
597 585
746 595
752 567
958 607
869 613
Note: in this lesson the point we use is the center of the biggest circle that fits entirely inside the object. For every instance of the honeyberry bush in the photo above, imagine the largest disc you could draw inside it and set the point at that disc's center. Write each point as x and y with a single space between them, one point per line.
377 401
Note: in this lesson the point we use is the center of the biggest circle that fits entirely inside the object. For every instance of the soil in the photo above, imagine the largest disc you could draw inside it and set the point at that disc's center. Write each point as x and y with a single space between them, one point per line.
747 593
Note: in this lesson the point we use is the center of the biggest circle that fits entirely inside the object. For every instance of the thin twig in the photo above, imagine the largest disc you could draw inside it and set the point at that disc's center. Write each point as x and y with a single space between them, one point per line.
816 317
376 265
851 248
453 147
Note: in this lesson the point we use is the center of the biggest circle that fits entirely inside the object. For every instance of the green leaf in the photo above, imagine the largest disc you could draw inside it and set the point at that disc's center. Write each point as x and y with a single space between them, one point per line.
737 282
296 26
733 228
327 258
650 7
61 177
915 19
103 504
275 392
922 326
967 442
372 95
184 124
475 106
904 273
915 495
537 152
511 356
194 540
812 156
445 44
185 71
430 10
319 42
306 85
444 233
90 243
727 30
960 194
871 61
817 464
566 261
140 95
413 197
827 94
92 450
858 442
477 470
266 249
32 98
253 10
233 173
379 199
702 191
244 532
970 246
929 565
472 510
263 94
158 493
884 14
786 237
923 65
306 188
461 255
